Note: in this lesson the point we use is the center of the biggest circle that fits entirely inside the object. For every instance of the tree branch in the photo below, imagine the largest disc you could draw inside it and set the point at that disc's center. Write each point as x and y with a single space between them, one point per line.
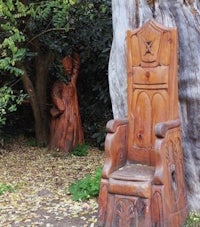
46 31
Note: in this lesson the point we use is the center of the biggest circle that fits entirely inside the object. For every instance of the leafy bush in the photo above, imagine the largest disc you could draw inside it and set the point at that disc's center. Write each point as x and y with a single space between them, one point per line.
6 188
94 97
80 150
87 187
32 30
8 102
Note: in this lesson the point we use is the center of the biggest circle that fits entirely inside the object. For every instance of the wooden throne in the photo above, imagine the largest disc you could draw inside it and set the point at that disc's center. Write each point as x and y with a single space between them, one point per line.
143 180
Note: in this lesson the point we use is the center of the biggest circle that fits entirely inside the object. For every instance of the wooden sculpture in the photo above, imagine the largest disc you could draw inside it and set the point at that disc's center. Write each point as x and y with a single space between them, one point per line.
66 128
142 180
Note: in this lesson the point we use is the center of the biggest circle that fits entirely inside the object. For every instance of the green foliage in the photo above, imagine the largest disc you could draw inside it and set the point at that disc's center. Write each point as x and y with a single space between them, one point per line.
87 187
80 150
193 219
12 14
8 102
6 188
12 51
93 83
56 26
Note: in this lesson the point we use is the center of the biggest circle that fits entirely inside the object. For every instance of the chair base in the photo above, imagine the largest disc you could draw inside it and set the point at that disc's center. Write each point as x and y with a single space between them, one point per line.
132 211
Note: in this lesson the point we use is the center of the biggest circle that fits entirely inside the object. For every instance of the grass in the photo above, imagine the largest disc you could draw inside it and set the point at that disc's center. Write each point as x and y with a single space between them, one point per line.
6 188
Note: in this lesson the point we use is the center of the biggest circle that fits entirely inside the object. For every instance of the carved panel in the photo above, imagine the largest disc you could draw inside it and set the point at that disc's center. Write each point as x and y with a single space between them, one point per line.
148 76
150 45
125 212
149 107
180 170
174 165
149 42
142 113
130 211
160 105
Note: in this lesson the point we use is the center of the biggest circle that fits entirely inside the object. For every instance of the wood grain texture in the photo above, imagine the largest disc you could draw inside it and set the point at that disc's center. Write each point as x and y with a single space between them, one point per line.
144 161
66 127
185 15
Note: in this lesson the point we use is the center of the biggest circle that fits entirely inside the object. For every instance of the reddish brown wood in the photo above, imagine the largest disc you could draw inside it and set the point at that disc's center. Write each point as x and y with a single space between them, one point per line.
143 180
66 128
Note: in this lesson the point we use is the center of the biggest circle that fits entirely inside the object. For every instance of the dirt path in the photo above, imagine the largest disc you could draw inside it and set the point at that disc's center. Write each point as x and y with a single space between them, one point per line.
41 196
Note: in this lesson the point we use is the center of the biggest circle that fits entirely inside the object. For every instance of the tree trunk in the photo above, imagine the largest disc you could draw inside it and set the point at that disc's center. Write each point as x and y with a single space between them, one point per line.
39 126
185 15
42 64
38 97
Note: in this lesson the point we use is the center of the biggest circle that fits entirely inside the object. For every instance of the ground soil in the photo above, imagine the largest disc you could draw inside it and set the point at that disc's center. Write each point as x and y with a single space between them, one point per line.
41 180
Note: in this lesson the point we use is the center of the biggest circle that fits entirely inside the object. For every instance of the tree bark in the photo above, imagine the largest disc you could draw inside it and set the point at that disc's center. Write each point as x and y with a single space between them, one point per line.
185 15
37 95
39 126
37 91
42 63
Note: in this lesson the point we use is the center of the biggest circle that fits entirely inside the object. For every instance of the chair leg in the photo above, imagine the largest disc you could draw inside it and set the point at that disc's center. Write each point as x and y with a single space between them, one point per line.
103 198
165 210
157 208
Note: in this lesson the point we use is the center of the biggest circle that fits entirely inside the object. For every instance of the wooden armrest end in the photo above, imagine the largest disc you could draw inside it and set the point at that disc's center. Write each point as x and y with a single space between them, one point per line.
113 124
162 128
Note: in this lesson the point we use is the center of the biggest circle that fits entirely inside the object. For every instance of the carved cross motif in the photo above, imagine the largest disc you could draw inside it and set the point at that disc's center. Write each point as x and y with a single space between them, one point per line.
148 45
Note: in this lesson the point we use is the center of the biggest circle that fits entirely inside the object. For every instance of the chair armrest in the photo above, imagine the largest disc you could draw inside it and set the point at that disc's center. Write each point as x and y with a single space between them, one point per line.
115 146
167 133
162 128
113 124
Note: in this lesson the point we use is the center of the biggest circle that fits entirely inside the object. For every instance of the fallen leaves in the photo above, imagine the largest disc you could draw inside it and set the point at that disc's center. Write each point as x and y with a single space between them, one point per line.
42 181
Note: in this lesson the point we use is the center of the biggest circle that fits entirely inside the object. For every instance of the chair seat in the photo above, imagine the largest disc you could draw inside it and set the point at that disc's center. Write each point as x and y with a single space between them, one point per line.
134 179
134 172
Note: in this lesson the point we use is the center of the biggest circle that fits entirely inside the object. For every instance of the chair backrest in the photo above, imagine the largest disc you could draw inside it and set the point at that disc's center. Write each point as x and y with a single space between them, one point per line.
152 86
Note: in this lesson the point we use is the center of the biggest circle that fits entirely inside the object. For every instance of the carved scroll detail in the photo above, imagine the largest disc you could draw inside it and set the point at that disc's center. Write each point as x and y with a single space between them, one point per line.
128 211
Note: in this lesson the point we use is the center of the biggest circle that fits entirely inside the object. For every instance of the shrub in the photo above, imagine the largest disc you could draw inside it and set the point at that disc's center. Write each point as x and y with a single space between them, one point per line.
80 150
8 102
87 187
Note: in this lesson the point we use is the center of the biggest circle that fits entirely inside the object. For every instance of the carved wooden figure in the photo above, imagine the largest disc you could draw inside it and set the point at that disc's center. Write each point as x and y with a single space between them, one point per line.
66 128
143 180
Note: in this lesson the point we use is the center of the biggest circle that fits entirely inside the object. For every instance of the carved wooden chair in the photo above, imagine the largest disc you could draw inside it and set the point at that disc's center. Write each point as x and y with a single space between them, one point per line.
142 180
